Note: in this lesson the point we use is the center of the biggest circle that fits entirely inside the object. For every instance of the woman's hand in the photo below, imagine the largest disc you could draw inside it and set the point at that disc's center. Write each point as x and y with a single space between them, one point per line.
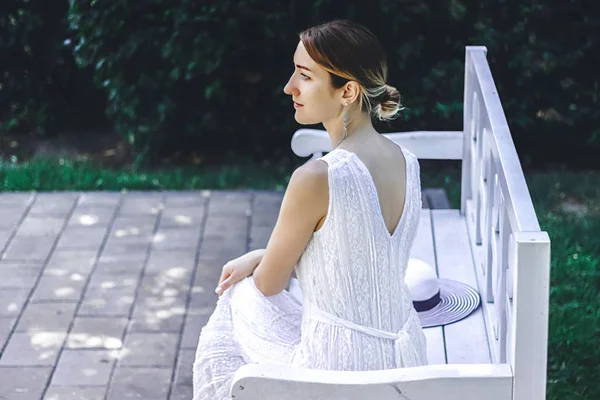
238 269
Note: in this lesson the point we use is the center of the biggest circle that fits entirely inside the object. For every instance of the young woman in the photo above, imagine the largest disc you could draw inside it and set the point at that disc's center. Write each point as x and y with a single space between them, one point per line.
346 226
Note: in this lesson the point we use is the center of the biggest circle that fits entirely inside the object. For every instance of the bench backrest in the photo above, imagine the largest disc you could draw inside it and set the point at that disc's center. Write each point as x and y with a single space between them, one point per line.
512 254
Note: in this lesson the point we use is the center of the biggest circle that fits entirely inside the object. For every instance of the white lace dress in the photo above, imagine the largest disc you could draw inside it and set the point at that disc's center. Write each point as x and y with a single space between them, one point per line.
355 312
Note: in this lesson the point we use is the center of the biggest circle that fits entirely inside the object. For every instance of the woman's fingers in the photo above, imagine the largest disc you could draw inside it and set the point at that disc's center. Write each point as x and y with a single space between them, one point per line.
225 272
223 286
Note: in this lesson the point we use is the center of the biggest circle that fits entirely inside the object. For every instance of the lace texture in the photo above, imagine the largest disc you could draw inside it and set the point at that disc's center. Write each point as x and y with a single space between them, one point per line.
354 312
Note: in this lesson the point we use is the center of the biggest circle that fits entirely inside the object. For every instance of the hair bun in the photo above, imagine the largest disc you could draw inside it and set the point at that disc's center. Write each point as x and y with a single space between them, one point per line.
389 106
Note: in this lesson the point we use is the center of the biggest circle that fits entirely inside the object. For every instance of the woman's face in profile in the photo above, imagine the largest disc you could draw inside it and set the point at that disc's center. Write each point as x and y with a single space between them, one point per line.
314 99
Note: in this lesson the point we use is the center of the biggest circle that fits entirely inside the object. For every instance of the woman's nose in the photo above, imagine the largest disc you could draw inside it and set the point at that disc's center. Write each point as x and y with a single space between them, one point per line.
289 87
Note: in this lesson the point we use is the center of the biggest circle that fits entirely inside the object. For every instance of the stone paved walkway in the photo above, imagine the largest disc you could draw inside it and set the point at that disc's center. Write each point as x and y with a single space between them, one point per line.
103 295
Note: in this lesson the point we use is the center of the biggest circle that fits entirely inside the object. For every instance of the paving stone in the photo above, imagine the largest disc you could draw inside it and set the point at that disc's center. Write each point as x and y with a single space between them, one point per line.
75 393
261 231
132 230
215 247
215 253
34 226
149 349
192 198
6 326
82 238
173 217
102 302
226 227
46 317
259 236
171 283
32 349
183 370
84 368
176 262
61 256
114 283
265 218
230 203
265 211
10 217
159 313
4 237
119 266
208 272
27 249
53 203
200 309
124 233
86 217
163 321
16 199
148 203
257 244
177 238
202 300
25 383
140 383
64 261
129 239
135 223
99 199
132 250
191 331
18 276
181 392
59 288
97 333
32 265
12 301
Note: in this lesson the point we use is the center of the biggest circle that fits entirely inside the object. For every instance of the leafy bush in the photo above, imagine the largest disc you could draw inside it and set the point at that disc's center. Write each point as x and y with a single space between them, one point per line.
207 77
41 88
185 74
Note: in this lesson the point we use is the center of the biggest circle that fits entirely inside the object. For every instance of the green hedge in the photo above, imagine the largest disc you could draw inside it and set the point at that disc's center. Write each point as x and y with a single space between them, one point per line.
41 88
181 75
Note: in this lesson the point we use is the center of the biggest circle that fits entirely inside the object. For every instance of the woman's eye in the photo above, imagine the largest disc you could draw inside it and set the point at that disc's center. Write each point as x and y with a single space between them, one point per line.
304 77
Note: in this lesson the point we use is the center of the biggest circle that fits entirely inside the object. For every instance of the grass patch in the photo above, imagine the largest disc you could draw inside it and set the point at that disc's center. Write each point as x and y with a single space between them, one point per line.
567 205
62 175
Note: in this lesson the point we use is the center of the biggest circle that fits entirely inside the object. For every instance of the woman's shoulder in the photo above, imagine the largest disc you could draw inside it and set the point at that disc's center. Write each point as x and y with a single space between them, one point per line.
311 178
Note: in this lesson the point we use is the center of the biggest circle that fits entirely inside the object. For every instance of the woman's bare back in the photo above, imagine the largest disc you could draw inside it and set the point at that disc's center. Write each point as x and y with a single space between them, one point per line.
386 163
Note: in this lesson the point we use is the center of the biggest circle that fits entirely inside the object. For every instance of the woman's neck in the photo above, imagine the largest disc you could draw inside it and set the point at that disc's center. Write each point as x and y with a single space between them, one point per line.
359 126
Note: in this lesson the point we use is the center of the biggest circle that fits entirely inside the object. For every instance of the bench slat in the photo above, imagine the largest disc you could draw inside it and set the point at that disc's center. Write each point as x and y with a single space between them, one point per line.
448 144
466 340
423 250
448 382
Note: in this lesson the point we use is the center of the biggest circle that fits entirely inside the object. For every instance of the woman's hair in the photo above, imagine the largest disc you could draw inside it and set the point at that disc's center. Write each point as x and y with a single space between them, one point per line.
350 52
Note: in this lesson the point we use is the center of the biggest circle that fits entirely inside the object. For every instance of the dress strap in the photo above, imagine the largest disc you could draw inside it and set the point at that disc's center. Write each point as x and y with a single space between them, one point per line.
405 351
333 156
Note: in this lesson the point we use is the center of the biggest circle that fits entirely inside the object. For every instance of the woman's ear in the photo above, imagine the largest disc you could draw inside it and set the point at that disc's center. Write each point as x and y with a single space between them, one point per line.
351 92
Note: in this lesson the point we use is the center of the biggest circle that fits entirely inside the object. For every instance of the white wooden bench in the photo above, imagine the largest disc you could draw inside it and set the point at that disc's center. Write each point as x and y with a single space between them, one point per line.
493 243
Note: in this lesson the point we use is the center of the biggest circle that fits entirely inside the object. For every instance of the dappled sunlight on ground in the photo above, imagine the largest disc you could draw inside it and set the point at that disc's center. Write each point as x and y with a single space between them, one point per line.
88 220
97 341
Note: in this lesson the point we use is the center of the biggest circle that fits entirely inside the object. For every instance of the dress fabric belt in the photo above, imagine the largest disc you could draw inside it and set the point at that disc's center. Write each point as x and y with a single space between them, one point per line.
406 354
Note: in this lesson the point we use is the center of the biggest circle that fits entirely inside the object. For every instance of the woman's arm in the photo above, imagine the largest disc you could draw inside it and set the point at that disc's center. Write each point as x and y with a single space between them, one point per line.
238 269
304 204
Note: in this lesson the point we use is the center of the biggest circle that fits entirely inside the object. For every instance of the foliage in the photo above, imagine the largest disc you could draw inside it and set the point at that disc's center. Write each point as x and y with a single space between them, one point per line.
183 75
41 88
